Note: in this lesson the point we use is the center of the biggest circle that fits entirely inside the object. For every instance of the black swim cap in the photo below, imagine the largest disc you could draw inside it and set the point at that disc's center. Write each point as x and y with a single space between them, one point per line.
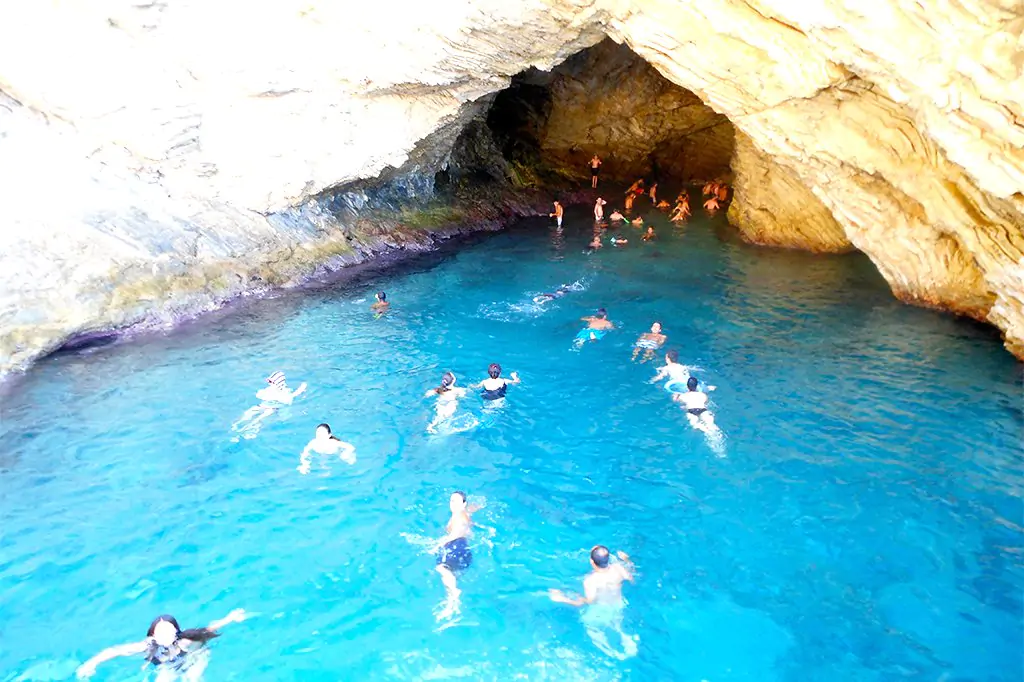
326 426
381 296
691 383
600 556
156 621
494 370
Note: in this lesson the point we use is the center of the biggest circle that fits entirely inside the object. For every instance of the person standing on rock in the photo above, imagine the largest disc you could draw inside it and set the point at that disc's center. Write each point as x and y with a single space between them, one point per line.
557 215
595 168
599 209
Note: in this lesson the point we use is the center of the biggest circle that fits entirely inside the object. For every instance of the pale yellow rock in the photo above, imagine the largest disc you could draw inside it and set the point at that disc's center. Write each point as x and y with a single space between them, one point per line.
903 117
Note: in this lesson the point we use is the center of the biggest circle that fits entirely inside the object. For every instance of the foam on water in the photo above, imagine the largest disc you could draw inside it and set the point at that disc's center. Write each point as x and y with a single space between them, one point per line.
864 525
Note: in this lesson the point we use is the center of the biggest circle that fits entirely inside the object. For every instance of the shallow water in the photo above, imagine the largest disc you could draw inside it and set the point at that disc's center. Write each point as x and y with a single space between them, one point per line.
860 519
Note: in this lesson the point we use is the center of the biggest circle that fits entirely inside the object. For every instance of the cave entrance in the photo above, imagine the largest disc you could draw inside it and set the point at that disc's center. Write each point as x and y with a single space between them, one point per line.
608 101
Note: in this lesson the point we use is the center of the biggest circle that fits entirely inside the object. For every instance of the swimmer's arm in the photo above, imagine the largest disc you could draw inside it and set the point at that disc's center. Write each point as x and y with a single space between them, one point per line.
430 393
300 390
89 667
560 597
304 459
626 566
662 373
514 378
236 616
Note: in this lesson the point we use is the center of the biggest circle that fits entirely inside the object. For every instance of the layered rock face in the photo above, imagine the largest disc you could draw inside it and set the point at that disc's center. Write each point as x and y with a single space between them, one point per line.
167 142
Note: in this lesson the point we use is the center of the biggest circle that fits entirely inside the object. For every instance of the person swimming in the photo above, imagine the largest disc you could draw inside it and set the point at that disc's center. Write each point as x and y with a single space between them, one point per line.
272 398
695 402
618 240
552 295
326 443
278 391
381 304
595 243
673 370
166 644
447 400
616 217
494 387
712 204
602 595
682 209
453 552
637 222
663 205
597 326
649 235
649 342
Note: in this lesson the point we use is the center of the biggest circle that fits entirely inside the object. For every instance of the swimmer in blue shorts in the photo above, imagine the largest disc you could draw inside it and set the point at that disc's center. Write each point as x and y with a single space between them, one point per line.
597 326
649 342
453 552
494 387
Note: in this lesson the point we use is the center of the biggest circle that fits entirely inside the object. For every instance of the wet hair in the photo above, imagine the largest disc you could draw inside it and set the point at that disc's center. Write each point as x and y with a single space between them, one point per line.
446 383
460 494
673 355
600 556
330 434
381 296
494 370
691 383
601 314
193 634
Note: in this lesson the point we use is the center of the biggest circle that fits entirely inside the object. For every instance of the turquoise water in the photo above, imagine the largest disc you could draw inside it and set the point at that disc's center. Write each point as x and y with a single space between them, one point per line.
860 518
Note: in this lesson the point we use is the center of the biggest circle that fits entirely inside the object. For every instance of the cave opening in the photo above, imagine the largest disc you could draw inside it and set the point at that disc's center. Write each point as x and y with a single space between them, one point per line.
543 129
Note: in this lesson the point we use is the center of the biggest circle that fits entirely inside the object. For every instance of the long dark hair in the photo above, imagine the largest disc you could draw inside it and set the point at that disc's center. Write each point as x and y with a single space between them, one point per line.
447 381
193 634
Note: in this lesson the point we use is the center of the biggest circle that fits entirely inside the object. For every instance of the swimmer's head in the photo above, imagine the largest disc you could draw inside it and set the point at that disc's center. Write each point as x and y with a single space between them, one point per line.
164 630
656 327
691 383
323 431
600 556
601 314
447 381
494 370
557 202
277 380
381 296
650 230
457 502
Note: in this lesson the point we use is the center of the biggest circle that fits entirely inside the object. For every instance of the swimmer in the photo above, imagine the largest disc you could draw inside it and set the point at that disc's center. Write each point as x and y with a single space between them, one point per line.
447 400
710 187
712 204
326 443
673 370
649 235
272 398
557 215
453 552
723 192
597 326
630 198
653 193
695 402
382 304
663 205
494 387
165 644
550 296
602 595
682 210
616 217
649 342
278 391
619 241
599 209
596 242
595 168
637 187
637 222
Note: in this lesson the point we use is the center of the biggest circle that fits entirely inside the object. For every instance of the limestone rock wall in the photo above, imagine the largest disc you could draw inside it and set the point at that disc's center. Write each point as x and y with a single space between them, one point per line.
149 141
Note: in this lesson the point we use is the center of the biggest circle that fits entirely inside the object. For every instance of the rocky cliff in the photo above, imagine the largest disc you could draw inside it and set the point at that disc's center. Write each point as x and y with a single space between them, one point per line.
158 147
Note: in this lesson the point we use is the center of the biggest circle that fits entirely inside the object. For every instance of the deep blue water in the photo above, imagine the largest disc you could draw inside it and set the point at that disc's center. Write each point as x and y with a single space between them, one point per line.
861 519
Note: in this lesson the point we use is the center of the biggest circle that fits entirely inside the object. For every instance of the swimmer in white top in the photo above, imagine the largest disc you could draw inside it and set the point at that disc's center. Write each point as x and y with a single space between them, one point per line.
672 370
447 400
494 387
272 397
278 391
326 443
695 403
